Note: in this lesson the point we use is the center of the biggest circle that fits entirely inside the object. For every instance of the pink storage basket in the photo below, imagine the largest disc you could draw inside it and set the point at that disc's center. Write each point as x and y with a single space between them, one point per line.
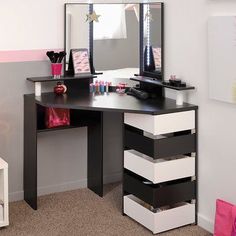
225 219
234 221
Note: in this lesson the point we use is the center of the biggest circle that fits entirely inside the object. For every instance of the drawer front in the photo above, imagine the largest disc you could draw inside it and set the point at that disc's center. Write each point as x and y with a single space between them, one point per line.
158 195
162 124
160 148
178 216
159 171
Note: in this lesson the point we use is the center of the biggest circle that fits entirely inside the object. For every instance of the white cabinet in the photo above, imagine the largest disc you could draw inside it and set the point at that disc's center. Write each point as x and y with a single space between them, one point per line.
4 209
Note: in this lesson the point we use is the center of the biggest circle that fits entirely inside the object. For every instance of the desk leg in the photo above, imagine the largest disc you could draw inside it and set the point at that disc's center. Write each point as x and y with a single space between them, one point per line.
95 154
30 152
105 142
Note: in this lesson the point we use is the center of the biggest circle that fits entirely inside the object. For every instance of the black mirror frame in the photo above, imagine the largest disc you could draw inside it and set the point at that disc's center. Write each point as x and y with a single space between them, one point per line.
141 41
142 71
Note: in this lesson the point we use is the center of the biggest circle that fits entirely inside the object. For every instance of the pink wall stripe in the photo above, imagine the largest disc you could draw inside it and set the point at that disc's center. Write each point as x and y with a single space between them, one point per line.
25 55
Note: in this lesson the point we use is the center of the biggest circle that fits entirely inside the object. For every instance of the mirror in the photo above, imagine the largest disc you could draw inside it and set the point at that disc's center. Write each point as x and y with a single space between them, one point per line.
114 35
153 40
76 28
116 40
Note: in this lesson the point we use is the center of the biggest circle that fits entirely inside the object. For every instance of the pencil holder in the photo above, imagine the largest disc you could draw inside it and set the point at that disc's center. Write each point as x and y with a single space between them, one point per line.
56 70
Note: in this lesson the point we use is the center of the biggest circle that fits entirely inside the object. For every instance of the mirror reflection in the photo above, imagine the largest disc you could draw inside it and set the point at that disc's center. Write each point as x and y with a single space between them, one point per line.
152 38
77 28
116 39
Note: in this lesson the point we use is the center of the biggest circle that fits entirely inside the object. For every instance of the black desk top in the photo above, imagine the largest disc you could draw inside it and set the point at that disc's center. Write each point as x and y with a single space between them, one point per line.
111 102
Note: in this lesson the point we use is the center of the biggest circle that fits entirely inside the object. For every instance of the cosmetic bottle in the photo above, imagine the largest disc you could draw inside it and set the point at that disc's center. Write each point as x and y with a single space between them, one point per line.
109 87
91 86
97 86
102 87
107 90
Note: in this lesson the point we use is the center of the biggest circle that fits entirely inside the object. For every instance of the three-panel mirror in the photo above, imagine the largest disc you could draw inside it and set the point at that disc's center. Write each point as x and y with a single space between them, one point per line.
121 39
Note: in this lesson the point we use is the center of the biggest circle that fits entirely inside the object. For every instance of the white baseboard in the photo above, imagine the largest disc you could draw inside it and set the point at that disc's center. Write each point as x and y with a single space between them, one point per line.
205 223
16 196
68 186
62 187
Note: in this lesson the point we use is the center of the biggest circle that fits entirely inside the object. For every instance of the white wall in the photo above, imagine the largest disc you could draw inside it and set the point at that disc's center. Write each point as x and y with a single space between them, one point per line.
31 24
185 55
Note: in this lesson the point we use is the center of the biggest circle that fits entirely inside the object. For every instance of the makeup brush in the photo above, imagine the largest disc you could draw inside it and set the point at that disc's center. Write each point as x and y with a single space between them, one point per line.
56 56
61 56
50 55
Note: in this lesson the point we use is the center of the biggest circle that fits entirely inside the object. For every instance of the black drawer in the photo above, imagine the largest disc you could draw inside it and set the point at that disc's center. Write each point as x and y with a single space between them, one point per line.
158 195
160 148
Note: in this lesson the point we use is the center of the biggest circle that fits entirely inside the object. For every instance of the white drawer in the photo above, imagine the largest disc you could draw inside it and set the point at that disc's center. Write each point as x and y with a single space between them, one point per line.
162 124
182 214
160 170
1 212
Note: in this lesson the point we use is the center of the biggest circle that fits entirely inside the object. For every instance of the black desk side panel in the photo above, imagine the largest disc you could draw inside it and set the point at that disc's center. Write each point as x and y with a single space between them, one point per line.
95 154
105 143
30 151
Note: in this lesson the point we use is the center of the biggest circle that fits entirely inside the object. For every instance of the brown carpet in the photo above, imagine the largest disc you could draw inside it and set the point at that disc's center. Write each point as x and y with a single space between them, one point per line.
80 213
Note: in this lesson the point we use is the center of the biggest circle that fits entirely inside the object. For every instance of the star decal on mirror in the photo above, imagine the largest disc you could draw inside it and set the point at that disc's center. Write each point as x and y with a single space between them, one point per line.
92 17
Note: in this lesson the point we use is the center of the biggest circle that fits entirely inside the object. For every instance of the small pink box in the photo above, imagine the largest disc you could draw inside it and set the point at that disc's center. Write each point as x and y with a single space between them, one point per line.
56 69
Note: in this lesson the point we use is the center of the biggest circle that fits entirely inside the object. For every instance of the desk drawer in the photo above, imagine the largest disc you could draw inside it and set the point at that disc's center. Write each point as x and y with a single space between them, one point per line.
160 170
173 217
160 147
158 195
162 124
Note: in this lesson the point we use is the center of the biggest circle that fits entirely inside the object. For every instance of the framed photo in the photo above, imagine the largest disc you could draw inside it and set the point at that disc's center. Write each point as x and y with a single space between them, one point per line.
80 61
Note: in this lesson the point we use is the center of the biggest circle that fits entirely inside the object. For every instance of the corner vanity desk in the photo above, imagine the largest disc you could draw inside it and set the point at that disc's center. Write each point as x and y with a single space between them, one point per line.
155 138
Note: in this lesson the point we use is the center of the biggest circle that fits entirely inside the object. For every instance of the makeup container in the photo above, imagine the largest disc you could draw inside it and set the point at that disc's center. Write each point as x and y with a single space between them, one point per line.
56 62
56 70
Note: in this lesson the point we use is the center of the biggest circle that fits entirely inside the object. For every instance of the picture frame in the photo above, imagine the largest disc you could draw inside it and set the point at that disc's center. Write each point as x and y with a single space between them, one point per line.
79 62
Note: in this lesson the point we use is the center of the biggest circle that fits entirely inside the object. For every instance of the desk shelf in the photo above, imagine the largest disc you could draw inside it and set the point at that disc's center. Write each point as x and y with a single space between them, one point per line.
42 130
159 83
62 78
72 82
147 81
77 119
